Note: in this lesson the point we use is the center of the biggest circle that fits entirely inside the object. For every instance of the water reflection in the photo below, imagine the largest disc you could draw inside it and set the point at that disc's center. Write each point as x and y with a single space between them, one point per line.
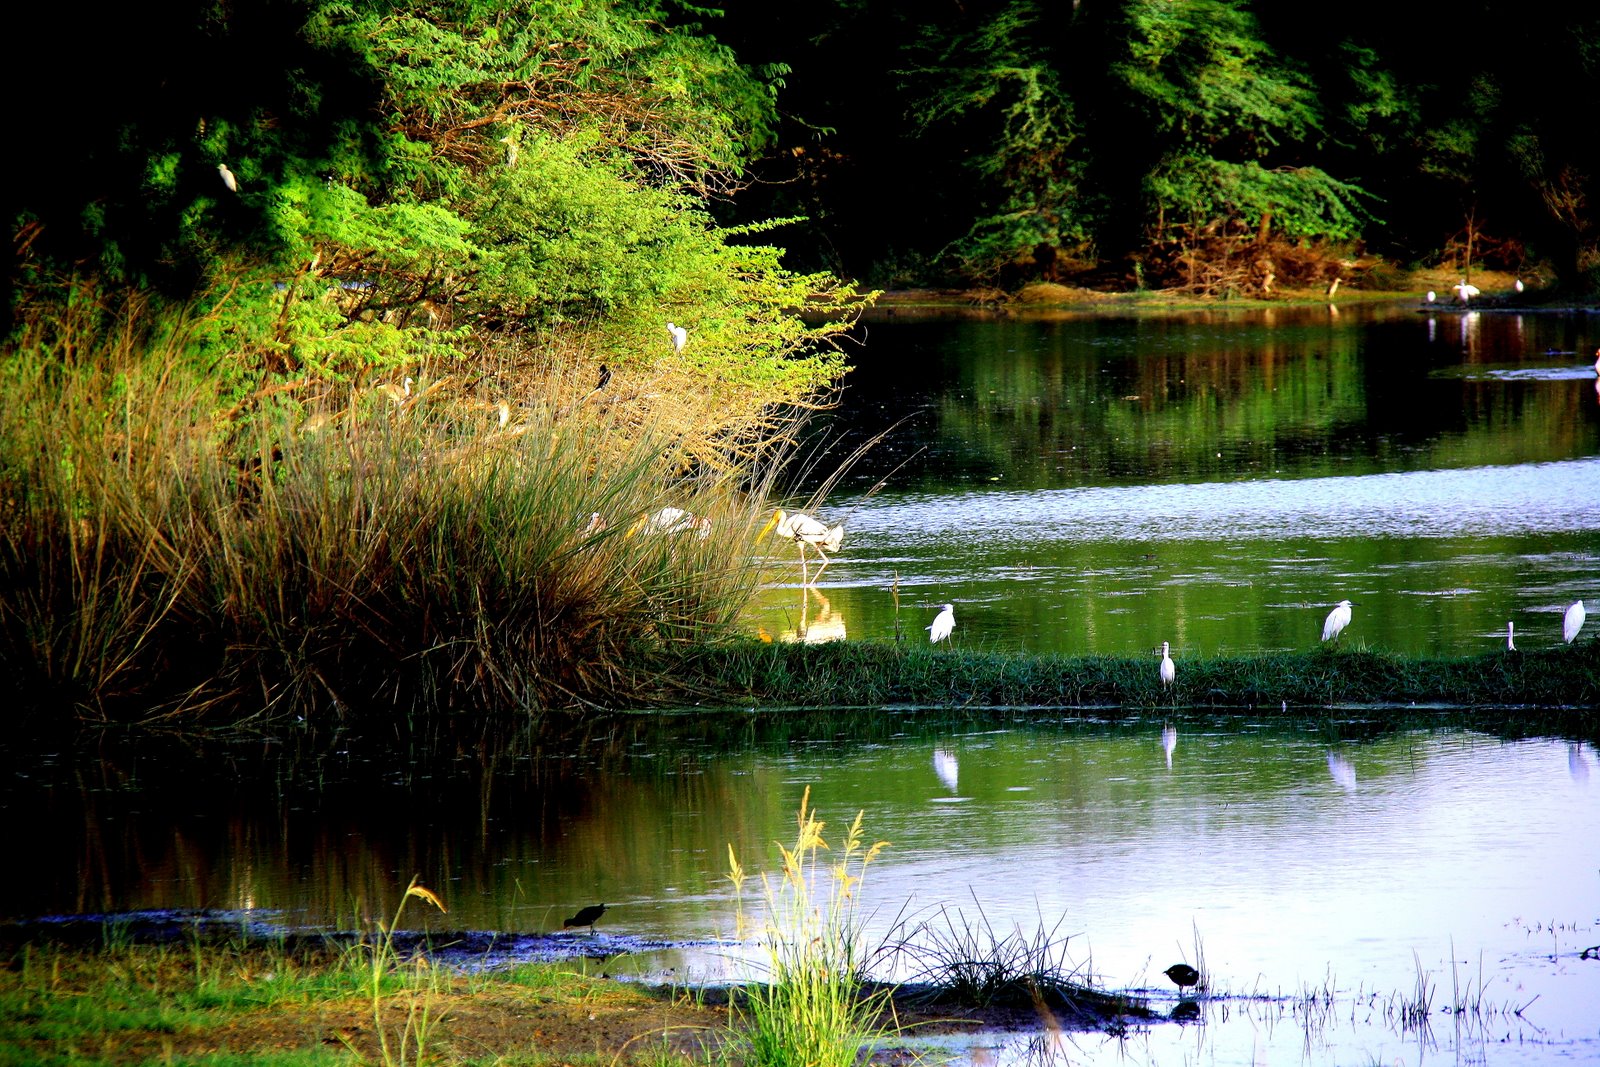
1342 772
818 626
1452 836
1097 483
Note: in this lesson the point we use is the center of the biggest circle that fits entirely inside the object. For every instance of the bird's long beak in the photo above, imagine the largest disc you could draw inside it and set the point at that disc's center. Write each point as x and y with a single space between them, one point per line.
777 517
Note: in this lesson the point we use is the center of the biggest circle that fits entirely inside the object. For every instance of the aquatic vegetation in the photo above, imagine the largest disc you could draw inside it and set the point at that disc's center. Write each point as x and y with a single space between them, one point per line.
811 1008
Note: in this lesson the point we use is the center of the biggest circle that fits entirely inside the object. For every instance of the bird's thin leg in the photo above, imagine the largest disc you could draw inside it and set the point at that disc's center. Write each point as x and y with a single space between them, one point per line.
825 561
804 580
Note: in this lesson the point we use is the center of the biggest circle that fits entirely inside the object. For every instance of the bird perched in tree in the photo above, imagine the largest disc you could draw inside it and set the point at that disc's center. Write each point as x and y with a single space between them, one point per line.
1182 975
942 624
804 530
1169 670
585 917
1336 621
680 337
1573 622
227 178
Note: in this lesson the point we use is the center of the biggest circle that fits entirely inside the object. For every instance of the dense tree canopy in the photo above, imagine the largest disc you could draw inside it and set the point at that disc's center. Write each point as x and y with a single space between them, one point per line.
1018 138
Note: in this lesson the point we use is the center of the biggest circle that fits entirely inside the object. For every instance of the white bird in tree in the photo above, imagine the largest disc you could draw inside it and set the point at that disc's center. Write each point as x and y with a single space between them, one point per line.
1336 621
1169 670
227 178
680 337
1465 291
942 624
1573 622
671 520
804 530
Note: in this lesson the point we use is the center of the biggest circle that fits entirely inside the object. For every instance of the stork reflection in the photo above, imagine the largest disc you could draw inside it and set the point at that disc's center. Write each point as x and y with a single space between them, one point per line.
826 625
1169 741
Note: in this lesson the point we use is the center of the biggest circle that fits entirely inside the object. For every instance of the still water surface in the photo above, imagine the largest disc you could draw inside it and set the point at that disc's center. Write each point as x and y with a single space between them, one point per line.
1329 858
1076 484
1100 484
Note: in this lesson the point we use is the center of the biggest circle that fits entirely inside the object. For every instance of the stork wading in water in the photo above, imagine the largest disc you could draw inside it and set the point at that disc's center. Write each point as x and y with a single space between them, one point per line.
804 530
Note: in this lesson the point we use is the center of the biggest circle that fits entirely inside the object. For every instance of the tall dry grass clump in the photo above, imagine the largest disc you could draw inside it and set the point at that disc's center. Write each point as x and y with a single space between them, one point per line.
809 1008
170 552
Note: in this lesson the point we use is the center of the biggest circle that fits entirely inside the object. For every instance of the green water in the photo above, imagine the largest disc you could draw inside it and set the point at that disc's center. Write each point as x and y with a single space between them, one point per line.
1217 480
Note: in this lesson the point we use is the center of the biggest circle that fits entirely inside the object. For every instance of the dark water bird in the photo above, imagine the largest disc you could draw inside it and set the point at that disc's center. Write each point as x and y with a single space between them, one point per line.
585 917
1182 975
605 378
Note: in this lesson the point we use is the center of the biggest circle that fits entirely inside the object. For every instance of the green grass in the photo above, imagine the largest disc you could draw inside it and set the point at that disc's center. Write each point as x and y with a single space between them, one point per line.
1558 684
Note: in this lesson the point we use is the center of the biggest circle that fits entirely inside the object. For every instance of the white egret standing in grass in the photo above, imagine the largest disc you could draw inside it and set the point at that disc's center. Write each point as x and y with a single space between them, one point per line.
680 337
1169 670
942 624
1511 637
1336 621
804 530
1465 291
1573 622
227 178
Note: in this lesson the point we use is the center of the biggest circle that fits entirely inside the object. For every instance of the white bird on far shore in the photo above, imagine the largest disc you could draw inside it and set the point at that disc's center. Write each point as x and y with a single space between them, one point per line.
1465 291
1511 637
1169 670
680 337
942 624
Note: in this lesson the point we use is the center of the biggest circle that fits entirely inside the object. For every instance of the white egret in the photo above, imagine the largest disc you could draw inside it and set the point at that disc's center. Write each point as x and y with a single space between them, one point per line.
1465 291
1431 297
1511 637
1519 285
671 520
227 178
942 625
1169 670
1336 621
1573 622
804 530
680 337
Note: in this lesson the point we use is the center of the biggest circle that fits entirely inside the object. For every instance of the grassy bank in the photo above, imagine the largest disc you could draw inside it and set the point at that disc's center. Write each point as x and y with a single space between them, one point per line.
1563 681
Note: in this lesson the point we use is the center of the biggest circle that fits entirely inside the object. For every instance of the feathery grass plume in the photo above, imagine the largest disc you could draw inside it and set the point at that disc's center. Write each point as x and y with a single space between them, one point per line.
415 981
811 1010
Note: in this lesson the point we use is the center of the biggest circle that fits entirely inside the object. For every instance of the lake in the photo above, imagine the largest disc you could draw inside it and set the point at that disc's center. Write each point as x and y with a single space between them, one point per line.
1317 866
1093 483
1070 483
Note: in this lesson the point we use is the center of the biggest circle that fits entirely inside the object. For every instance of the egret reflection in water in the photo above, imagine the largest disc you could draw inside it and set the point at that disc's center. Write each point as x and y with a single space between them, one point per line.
1577 763
1342 772
947 767
1169 742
